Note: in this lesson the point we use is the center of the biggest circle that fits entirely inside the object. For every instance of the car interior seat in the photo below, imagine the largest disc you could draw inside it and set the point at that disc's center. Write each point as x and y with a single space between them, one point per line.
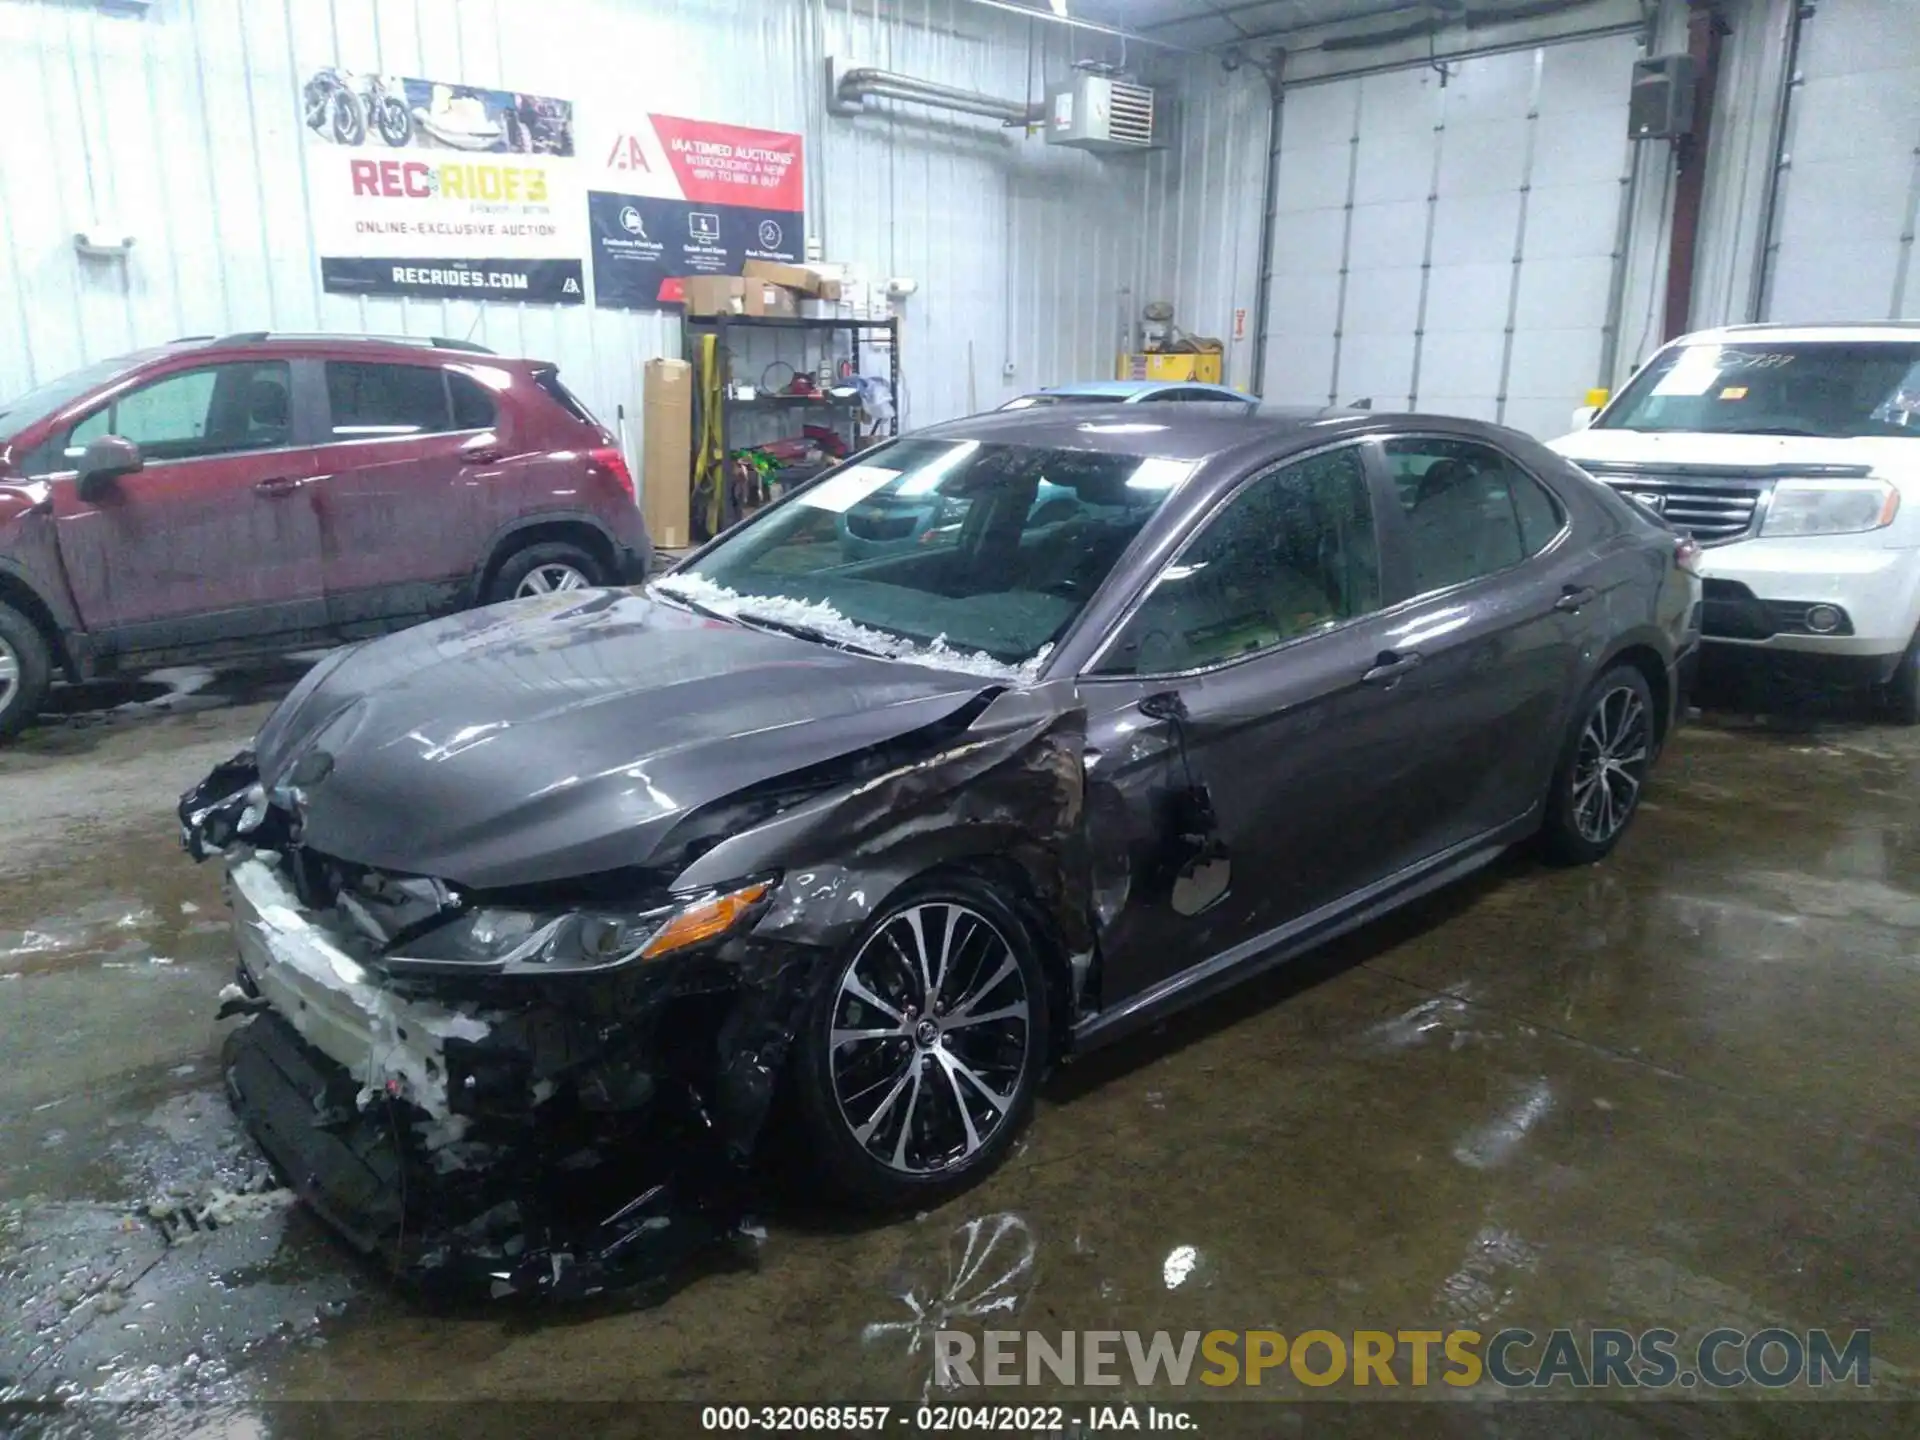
268 410
1458 531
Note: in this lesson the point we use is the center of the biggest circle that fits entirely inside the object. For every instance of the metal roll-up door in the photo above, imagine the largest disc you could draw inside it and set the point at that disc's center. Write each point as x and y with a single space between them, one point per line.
1849 200
1450 247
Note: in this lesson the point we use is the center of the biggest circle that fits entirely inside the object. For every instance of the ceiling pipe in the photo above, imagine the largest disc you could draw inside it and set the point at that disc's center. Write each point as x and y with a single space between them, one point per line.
1134 37
853 86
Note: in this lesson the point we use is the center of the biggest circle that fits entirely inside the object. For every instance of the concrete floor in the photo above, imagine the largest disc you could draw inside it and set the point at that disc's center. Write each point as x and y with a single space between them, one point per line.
1678 1089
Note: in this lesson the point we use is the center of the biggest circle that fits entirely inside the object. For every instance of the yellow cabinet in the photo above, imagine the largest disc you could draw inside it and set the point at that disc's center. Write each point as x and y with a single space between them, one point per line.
1202 368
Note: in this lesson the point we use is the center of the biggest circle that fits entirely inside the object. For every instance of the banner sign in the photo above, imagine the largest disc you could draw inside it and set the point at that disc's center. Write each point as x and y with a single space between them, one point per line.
437 189
672 197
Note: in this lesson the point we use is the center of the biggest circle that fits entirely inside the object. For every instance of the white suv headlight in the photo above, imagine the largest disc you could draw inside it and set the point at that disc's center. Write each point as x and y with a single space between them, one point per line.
1830 507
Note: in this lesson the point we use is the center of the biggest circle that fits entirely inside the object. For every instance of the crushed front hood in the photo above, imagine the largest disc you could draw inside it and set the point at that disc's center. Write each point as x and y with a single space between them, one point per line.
566 736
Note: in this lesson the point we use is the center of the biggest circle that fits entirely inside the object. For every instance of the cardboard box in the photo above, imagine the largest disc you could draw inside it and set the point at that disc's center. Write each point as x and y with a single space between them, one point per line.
666 485
769 301
794 277
714 294
709 295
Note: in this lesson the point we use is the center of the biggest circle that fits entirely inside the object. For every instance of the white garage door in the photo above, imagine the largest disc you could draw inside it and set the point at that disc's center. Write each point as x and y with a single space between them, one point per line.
1450 247
1848 200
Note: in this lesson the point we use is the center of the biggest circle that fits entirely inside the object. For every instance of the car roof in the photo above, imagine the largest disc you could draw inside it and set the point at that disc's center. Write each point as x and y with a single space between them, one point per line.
1199 431
325 343
1133 389
1869 332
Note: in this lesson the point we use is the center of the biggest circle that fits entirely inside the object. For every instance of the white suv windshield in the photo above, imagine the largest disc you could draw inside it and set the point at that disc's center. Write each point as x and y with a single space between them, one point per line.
1828 388
951 552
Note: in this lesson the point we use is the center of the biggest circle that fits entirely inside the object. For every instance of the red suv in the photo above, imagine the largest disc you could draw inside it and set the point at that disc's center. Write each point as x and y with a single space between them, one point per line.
214 498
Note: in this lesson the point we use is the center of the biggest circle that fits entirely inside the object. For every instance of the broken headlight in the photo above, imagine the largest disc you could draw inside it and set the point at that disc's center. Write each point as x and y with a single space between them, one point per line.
501 941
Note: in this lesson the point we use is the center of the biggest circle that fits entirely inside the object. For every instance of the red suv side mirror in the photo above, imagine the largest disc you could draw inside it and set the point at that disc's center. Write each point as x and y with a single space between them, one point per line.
104 461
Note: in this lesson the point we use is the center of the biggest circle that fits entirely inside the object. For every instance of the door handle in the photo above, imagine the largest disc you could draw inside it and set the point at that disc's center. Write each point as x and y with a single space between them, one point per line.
1388 667
276 487
1572 597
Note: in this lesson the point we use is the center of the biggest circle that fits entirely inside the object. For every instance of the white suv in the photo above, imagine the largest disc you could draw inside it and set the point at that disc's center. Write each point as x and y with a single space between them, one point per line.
1792 455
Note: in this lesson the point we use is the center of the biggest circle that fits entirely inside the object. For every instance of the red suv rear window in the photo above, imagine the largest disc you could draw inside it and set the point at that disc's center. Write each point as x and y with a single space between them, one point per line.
549 381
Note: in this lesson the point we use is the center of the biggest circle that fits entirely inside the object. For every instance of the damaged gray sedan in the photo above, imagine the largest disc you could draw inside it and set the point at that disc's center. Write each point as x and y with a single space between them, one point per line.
552 915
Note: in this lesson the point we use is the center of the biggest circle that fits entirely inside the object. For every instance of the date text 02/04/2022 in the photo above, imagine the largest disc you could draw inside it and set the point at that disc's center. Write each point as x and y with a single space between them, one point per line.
1011 1419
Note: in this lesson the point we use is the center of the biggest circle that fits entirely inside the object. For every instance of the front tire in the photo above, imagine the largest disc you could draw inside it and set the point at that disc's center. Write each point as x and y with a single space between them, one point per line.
26 671
348 118
395 121
1602 770
922 1050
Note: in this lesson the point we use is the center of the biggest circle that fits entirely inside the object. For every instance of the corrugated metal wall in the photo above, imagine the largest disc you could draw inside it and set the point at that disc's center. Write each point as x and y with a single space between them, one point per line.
1849 199
182 124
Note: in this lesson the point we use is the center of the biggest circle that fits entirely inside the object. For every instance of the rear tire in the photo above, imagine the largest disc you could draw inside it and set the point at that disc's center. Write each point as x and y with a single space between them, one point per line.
542 569
914 1079
26 671
1602 771
1898 700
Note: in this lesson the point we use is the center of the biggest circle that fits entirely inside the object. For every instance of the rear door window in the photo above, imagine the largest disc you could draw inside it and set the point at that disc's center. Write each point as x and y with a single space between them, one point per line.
375 401
473 407
1470 511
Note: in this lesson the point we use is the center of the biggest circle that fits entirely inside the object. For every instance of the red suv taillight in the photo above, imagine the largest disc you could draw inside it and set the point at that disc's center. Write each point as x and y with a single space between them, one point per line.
1686 554
615 463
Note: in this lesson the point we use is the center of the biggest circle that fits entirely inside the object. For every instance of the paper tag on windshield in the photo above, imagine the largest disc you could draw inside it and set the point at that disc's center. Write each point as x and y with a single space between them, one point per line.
1734 392
848 488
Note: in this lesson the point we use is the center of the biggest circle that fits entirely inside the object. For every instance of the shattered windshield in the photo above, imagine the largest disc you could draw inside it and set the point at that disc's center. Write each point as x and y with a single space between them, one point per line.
1828 388
953 552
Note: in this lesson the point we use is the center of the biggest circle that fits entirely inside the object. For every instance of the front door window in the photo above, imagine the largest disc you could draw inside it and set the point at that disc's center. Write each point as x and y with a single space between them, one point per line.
214 410
1292 554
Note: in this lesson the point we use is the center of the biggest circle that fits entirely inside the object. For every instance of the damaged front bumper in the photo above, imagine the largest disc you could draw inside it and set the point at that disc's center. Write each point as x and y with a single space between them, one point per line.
393 1047
514 1143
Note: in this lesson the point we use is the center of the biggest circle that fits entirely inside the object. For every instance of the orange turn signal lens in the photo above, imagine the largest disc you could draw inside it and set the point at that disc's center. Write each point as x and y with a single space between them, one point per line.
705 920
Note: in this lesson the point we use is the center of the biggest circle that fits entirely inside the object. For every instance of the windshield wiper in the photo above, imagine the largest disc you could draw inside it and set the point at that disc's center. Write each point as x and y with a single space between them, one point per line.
1779 430
694 605
807 632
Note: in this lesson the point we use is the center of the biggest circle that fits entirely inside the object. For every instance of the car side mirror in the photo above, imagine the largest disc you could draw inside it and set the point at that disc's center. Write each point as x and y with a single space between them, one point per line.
104 461
1583 417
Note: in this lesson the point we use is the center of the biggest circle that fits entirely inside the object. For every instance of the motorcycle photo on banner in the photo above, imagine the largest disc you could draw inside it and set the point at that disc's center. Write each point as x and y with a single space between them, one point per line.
439 189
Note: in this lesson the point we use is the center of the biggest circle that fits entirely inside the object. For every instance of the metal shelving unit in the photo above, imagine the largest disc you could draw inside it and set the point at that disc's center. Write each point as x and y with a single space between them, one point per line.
728 328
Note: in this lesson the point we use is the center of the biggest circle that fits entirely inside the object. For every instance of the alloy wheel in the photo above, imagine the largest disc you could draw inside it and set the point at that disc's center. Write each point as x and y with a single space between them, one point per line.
9 675
929 1038
545 579
1610 765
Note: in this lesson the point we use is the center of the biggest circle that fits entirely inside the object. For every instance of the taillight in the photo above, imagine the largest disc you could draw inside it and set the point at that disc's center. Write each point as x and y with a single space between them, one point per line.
609 457
1686 554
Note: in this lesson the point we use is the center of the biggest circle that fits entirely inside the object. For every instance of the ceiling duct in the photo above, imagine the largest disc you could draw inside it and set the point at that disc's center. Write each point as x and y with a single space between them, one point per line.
850 87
